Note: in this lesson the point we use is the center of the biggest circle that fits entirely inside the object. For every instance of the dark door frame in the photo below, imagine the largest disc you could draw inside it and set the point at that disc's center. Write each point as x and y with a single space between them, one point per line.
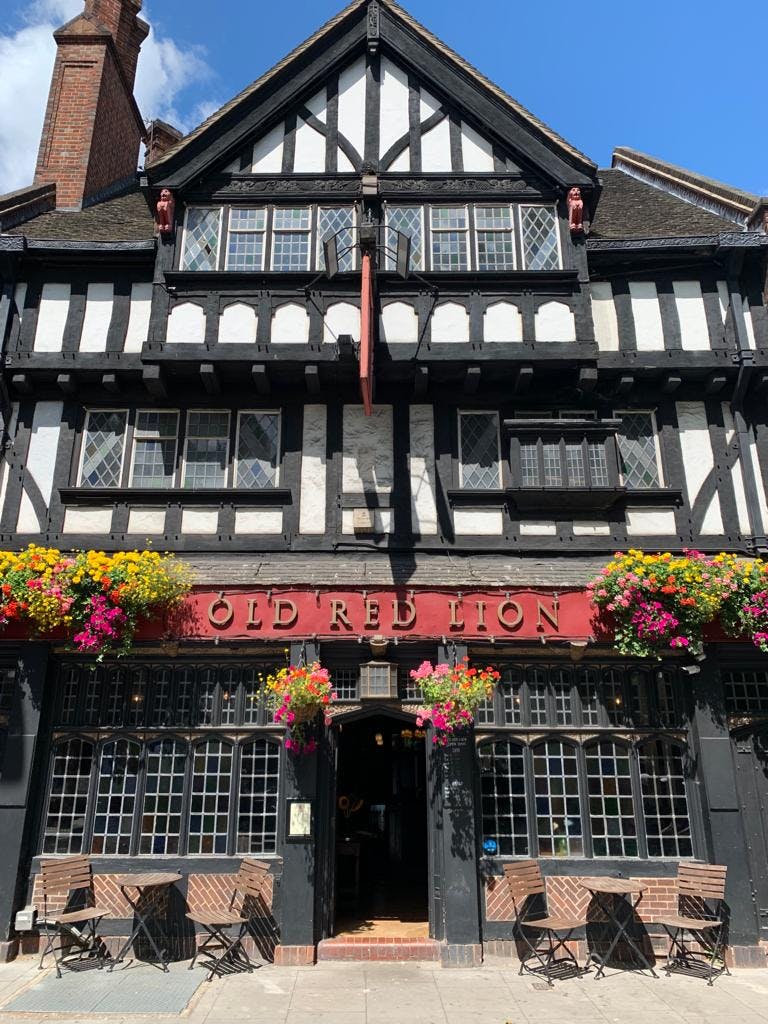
752 788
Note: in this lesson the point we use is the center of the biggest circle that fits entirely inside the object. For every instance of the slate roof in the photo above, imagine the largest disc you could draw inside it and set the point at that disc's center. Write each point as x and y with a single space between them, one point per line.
125 218
629 208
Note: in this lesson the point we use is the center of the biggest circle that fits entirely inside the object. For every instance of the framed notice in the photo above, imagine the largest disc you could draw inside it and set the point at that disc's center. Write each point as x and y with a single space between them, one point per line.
299 821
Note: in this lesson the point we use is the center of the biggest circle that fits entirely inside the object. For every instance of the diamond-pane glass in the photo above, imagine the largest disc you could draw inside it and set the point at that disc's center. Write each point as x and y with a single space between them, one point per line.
502 784
665 803
207 449
257 449
103 449
116 797
68 797
637 448
329 222
257 802
201 240
408 220
558 805
611 807
479 450
540 238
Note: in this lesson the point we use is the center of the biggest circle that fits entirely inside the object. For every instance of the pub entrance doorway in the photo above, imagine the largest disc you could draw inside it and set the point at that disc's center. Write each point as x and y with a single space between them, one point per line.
381 829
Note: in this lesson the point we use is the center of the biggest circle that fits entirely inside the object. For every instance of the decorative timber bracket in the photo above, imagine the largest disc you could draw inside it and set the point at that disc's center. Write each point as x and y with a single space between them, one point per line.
374 27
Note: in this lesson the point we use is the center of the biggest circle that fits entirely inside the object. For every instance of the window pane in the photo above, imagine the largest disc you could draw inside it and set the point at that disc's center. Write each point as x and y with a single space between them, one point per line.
154 448
290 252
637 448
495 242
529 462
68 797
207 449
598 465
502 784
103 449
257 449
70 687
329 222
561 687
251 695
611 807
553 470
257 803
163 796
540 238
449 218
209 804
558 804
247 219
115 797
574 461
408 220
665 804
245 247
201 240
511 688
746 691
291 220
346 681
449 250
479 450
160 712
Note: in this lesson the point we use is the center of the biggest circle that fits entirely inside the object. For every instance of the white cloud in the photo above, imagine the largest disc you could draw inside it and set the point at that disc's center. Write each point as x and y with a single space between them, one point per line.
26 56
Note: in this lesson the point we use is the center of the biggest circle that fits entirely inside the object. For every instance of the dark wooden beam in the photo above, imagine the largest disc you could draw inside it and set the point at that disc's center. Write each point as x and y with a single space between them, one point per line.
761 383
210 378
67 382
625 384
587 378
153 379
715 382
312 379
22 382
261 378
670 383
111 383
420 381
472 380
523 380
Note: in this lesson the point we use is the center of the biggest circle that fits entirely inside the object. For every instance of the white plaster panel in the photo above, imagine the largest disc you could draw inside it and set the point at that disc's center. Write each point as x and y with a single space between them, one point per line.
538 528
341 318
383 521
503 321
259 520
450 322
20 297
352 104
737 471
428 105
314 470
650 522
649 333
758 476
310 149
393 112
694 333
317 105
724 298
146 521
199 520
421 469
486 522
749 324
12 425
186 324
476 152
592 528
268 151
87 520
436 148
41 460
554 321
402 162
344 164
399 322
99 303
367 463
698 460
238 325
138 316
604 316
52 317
290 324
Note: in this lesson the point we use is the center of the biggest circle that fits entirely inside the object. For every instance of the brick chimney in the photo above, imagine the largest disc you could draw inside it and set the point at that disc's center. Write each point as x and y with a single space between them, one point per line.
93 129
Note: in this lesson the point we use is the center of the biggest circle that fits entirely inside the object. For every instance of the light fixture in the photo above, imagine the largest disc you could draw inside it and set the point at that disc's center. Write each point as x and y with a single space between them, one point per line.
378 645
379 739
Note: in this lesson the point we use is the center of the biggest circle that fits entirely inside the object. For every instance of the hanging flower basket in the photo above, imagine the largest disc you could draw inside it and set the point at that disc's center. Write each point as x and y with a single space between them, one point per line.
296 694
452 696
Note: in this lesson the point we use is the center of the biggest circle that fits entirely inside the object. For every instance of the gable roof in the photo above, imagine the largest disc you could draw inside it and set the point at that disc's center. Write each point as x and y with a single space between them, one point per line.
124 218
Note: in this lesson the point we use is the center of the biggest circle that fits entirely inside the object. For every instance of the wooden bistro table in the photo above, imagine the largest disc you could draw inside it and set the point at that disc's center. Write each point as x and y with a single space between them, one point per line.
141 883
602 890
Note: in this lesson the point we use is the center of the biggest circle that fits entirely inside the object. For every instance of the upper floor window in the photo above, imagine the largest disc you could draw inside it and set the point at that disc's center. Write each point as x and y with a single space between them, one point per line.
450 227
541 241
639 449
202 237
245 244
479 462
154 448
101 463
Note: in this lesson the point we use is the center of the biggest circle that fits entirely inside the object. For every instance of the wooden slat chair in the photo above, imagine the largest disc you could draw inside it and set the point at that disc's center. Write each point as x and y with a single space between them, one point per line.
76 925
550 934
223 950
702 915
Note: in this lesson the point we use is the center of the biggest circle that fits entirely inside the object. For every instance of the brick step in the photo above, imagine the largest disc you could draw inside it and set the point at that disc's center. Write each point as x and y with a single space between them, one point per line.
355 947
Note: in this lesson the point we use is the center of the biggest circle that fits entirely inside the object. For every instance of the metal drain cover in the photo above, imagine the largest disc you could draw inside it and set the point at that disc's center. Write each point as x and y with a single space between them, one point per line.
541 986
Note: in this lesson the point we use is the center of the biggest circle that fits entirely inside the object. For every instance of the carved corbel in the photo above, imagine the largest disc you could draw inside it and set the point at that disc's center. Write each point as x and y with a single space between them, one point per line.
165 215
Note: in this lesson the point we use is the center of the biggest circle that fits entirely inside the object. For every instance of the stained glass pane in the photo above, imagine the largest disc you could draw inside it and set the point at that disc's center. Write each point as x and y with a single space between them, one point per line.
540 238
115 797
257 449
329 222
257 802
103 449
245 243
201 239
154 448
637 449
408 220
207 449
611 807
479 450
502 785
495 240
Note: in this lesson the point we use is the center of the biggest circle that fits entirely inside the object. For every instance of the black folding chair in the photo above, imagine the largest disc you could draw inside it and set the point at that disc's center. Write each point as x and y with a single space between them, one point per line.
542 936
76 926
223 950
701 915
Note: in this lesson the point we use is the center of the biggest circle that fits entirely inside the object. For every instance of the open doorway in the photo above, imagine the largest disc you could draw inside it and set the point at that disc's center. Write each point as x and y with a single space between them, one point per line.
381 829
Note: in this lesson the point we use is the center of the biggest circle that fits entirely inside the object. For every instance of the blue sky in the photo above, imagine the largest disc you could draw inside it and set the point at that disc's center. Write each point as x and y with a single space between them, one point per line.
674 78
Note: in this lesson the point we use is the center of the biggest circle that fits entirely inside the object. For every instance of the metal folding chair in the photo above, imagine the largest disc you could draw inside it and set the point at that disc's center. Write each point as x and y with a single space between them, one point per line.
701 915
549 934
76 926
223 950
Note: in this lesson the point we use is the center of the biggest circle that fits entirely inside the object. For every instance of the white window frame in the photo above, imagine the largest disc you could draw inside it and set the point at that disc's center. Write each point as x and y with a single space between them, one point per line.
312 208
194 206
175 447
445 231
480 412
319 252
239 231
618 413
227 475
81 460
516 257
387 225
236 460
535 206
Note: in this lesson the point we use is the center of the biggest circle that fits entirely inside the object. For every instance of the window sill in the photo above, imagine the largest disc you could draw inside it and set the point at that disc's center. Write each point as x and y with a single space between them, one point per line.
576 499
175 496
478 498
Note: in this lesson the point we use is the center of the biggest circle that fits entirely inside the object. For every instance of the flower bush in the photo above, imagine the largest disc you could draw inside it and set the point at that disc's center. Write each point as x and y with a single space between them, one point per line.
663 601
453 695
295 695
99 598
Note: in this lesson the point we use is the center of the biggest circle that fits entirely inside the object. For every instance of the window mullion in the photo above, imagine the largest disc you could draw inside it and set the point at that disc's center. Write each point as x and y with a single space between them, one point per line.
637 802
234 799
583 786
93 788
530 801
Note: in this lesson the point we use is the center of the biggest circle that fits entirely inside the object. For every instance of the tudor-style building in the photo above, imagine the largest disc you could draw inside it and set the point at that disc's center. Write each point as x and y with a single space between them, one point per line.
357 349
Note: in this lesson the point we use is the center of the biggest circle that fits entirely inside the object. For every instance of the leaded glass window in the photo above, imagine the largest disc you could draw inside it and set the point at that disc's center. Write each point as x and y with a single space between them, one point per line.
154 448
589 696
746 691
245 240
257 801
611 806
562 688
258 444
206 696
290 239
553 470
65 814
166 761
69 695
449 238
333 220
479 440
529 463
540 240
207 448
201 239
137 693
502 786
558 801
346 681
574 462
230 683
598 464
103 446
665 801
408 220
115 797
251 695
209 804
94 683
537 695
160 712
409 688
511 689
185 695
495 238
115 697
637 450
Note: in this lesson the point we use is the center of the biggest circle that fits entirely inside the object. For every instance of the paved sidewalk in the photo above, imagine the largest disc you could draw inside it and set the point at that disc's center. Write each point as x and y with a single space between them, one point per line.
346 993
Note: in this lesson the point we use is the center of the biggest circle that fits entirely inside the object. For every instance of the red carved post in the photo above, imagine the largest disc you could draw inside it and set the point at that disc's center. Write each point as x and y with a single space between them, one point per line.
575 211
166 213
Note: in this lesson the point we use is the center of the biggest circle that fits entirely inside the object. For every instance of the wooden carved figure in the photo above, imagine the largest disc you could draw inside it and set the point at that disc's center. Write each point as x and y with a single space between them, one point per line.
166 212
576 211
